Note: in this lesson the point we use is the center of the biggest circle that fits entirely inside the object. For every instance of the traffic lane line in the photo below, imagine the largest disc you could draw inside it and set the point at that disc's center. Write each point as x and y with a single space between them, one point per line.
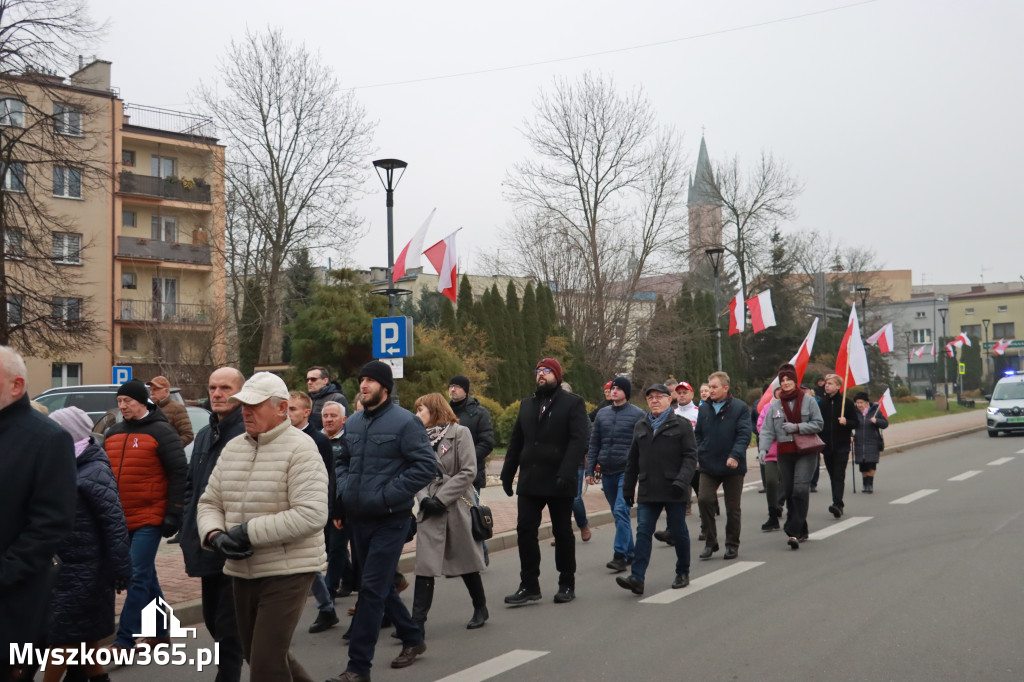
838 527
697 584
1000 461
495 666
914 497
964 476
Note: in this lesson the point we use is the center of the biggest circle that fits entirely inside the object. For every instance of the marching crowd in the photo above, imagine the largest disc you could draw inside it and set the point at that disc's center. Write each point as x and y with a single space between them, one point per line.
291 493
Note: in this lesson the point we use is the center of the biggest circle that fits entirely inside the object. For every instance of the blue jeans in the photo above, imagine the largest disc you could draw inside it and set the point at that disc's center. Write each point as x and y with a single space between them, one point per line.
144 587
647 514
612 485
320 592
579 509
377 548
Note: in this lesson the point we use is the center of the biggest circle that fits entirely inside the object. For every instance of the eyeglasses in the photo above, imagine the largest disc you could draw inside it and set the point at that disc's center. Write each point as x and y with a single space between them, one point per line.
308 379
544 370
657 395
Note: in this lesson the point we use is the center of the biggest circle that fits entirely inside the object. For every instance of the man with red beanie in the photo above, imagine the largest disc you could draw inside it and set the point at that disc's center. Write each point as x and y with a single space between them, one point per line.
548 443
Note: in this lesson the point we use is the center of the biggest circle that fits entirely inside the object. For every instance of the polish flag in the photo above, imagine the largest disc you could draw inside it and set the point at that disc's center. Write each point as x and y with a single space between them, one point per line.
884 338
737 315
762 314
852 359
886 405
963 339
933 349
442 256
1001 346
919 353
800 360
409 258
949 350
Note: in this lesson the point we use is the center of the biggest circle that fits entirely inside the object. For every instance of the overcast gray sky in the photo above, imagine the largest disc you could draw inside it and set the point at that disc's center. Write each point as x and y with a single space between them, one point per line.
902 118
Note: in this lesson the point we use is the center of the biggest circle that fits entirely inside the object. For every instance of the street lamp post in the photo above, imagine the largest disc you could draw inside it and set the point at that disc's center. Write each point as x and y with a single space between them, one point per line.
945 379
863 291
908 335
390 182
714 256
988 352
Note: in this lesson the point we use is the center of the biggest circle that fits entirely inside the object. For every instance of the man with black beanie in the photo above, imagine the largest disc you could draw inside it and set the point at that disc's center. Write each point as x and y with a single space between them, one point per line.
549 441
477 419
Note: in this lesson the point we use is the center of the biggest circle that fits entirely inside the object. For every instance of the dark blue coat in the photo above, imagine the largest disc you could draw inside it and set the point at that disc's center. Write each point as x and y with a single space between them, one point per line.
611 436
94 555
385 460
323 446
721 436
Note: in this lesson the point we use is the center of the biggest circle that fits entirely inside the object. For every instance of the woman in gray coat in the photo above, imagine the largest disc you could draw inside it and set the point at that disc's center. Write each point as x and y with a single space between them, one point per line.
867 439
444 536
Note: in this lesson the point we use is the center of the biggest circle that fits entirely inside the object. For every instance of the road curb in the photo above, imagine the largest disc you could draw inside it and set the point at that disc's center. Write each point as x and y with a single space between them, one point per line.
932 439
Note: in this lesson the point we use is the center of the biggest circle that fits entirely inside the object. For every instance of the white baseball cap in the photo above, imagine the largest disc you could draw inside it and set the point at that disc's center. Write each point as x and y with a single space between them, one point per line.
261 386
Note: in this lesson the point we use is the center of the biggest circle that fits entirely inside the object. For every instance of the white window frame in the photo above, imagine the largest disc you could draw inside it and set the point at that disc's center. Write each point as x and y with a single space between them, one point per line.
64 377
922 335
66 181
157 166
65 311
968 311
67 119
1002 309
129 280
15 309
130 155
163 226
134 219
14 177
14 243
165 298
12 117
67 248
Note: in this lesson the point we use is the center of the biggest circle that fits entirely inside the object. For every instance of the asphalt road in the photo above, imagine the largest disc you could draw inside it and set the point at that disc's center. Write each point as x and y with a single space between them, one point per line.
929 588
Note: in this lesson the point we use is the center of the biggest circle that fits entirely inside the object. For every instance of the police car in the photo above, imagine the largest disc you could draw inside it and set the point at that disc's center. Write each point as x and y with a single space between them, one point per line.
1006 407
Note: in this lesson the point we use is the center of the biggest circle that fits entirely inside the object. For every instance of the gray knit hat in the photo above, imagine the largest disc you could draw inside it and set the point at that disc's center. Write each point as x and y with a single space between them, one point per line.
75 421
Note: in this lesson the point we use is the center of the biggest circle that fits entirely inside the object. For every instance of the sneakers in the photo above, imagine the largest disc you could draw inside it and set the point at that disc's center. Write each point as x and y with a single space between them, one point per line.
565 595
631 583
408 655
585 533
771 524
325 620
522 595
619 563
835 511
681 581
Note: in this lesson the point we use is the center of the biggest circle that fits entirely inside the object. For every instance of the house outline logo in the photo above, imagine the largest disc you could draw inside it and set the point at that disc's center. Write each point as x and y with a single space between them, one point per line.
156 612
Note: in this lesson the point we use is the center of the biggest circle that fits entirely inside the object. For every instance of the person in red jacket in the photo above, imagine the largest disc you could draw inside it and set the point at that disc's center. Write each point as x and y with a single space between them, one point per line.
148 461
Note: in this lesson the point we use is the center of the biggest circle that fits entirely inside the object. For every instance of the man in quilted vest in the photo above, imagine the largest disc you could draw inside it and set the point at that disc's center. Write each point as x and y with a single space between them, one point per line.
148 461
264 510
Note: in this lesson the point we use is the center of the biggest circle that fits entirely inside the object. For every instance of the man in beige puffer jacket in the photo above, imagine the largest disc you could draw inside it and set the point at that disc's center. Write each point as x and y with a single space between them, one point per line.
264 509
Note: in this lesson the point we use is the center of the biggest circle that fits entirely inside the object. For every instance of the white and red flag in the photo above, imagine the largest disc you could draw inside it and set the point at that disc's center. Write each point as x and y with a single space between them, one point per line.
962 339
919 353
1001 346
886 405
737 315
884 338
409 257
762 314
933 349
800 360
949 350
852 359
442 256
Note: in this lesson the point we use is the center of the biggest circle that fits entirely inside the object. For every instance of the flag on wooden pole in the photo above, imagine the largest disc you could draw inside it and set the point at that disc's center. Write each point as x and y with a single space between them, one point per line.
852 359
800 361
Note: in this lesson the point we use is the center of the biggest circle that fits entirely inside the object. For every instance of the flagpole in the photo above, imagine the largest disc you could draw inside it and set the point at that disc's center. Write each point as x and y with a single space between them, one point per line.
842 413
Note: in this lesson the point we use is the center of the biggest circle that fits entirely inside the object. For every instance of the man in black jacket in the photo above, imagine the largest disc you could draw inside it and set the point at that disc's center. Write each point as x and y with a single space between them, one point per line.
37 505
547 447
321 389
839 426
218 597
723 435
477 419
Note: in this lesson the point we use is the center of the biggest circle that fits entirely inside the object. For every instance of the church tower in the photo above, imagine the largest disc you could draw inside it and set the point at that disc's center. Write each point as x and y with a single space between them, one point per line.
705 210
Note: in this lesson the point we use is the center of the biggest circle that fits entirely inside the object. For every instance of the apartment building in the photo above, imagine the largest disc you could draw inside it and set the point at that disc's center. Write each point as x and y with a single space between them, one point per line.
138 233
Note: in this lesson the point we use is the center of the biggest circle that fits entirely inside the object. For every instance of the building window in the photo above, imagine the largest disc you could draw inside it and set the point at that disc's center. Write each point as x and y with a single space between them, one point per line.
67 248
163 228
14 177
12 112
66 374
129 280
66 311
1003 330
67 120
14 243
972 330
922 336
968 311
162 167
1001 309
67 182
15 305
127 158
128 218
165 298
129 340
920 315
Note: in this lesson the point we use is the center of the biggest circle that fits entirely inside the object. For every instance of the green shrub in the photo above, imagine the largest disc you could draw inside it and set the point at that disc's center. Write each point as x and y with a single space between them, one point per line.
504 423
493 407
901 392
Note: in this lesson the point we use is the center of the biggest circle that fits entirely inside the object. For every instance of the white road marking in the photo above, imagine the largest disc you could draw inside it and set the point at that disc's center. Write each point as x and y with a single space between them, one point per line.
964 476
1020 452
698 584
495 666
914 497
1001 460
839 527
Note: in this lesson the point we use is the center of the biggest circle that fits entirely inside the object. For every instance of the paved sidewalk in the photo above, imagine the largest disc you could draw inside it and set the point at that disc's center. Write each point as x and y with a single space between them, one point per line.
183 593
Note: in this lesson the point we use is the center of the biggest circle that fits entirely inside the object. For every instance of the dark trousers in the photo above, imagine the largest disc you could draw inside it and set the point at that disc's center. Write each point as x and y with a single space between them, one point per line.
707 502
835 463
219 617
268 609
560 511
339 564
647 514
377 548
796 472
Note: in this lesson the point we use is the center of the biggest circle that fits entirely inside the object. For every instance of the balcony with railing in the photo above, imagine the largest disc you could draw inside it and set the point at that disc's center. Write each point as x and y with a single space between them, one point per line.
159 312
179 189
167 120
141 248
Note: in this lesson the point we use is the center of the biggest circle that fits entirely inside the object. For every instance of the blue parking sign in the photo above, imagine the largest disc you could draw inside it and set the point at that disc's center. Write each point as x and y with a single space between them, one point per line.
120 375
392 337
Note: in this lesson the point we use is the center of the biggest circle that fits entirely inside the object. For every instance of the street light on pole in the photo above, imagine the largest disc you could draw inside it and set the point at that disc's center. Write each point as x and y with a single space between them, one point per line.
863 291
945 379
908 335
988 351
714 256
390 182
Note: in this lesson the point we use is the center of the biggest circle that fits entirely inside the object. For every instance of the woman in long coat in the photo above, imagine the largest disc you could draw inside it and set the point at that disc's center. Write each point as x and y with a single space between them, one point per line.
867 439
95 556
444 536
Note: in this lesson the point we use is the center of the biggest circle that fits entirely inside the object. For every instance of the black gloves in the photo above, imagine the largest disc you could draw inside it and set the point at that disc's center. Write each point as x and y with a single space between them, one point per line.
678 490
431 506
170 525
507 487
228 548
121 584
628 499
240 535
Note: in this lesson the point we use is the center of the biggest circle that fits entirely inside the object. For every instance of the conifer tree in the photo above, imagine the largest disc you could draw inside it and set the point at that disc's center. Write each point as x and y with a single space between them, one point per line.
516 341
531 326
464 314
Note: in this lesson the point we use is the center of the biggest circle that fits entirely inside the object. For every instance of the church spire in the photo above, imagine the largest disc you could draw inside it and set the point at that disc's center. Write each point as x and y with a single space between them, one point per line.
702 192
